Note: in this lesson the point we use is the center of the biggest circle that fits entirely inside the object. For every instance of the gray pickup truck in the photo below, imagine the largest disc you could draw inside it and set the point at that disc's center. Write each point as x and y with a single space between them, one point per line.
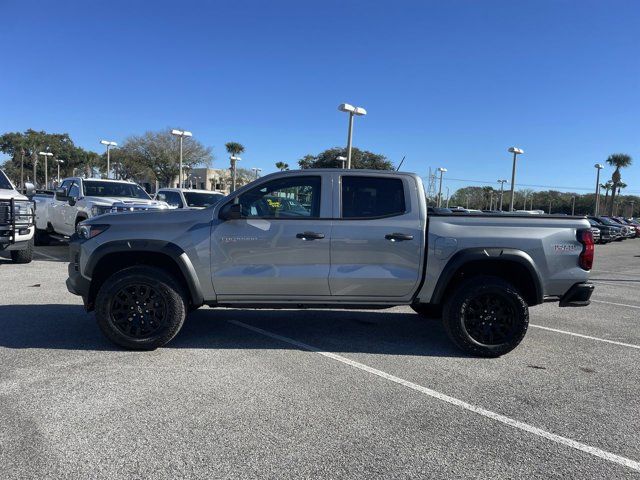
329 239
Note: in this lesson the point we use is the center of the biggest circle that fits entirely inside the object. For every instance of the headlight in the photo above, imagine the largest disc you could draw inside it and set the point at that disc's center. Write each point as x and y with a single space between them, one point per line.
89 231
100 210
24 211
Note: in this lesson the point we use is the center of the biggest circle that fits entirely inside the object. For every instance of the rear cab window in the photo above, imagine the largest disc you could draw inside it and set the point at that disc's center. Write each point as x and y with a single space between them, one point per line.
365 197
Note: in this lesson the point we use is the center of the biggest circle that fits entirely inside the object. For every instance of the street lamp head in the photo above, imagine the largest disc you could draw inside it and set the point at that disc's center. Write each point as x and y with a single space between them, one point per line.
599 166
516 150
234 158
345 107
360 111
46 154
181 133
107 142
442 169
341 158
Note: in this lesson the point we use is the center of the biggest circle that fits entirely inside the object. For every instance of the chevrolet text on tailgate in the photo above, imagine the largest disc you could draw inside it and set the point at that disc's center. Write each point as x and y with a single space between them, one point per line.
329 239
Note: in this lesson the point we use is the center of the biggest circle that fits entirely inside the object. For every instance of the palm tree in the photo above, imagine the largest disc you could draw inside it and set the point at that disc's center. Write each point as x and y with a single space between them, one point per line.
606 187
234 148
282 166
618 160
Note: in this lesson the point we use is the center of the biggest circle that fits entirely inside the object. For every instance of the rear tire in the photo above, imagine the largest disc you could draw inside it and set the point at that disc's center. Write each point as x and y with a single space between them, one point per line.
486 316
140 308
23 256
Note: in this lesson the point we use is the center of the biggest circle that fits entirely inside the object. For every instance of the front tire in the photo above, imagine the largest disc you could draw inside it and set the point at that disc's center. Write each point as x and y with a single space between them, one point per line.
486 316
23 256
140 308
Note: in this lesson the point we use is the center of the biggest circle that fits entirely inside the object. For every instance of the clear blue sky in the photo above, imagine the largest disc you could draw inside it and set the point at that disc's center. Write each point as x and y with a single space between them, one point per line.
446 83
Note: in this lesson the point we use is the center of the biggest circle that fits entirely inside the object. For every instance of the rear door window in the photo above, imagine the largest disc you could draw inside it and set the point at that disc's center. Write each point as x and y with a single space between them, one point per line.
372 197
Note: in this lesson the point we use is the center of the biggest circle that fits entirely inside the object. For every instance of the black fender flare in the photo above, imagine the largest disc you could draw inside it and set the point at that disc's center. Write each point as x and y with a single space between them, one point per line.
177 254
466 256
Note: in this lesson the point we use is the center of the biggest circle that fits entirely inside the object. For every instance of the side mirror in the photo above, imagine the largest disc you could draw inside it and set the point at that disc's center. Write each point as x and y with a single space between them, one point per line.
231 211
72 201
62 194
29 189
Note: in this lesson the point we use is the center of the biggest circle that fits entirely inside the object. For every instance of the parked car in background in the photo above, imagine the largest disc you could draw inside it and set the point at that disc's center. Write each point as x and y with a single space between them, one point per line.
624 231
596 234
188 198
79 199
329 238
16 221
606 233
629 230
623 221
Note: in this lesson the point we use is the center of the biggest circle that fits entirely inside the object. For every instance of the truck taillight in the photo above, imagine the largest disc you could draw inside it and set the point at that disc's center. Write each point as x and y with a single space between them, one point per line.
585 260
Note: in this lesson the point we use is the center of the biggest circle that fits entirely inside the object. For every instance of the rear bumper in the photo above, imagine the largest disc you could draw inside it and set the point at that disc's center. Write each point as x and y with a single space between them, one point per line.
578 295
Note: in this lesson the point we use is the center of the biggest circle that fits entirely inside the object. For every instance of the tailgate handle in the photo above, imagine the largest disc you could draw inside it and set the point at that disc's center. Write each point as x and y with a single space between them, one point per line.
398 237
310 236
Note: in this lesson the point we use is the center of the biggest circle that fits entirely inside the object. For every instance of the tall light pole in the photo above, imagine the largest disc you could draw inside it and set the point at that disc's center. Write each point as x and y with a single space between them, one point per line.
108 144
573 205
180 134
46 176
447 197
598 167
58 161
22 168
351 110
632 202
501 182
441 170
342 160
516 151
234 160
256 172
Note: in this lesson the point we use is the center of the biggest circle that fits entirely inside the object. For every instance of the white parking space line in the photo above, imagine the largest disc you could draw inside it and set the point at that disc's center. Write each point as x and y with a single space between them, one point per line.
615 303
620 283
597 452
48 256
585 336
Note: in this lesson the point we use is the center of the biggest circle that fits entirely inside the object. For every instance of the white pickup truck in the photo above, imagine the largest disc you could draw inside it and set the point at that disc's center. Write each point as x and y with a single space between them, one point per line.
79 199
16 221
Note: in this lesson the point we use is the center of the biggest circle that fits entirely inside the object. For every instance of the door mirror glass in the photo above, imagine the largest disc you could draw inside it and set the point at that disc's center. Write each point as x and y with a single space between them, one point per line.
231 211
62 194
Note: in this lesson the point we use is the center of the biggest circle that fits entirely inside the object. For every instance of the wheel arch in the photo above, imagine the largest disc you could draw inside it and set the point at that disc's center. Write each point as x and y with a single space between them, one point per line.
512 265
112 257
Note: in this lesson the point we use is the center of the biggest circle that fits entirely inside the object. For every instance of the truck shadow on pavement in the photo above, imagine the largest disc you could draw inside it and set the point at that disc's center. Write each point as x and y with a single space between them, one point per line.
69 327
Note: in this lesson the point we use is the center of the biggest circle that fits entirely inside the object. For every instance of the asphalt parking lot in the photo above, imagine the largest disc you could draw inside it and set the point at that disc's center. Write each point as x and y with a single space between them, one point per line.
330 394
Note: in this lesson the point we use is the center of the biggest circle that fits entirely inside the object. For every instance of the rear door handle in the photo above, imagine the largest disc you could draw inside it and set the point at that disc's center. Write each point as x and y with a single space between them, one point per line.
398 237
310 236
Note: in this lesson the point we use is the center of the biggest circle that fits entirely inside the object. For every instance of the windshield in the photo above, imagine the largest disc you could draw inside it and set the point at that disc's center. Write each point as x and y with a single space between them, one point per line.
113 189
4 182
201 199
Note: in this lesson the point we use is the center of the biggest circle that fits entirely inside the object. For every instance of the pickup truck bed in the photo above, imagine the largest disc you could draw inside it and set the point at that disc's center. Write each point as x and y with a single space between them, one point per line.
330 238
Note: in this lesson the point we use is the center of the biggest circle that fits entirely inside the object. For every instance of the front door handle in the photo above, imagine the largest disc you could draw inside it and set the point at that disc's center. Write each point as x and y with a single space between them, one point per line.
398 237
310 236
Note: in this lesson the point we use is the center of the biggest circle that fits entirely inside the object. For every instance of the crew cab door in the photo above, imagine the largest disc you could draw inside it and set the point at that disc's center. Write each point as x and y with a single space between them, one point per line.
56 208
69 212
279 248
377 241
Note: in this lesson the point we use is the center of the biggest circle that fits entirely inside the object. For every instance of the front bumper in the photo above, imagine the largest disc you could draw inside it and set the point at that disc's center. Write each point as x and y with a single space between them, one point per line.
76 283
578 295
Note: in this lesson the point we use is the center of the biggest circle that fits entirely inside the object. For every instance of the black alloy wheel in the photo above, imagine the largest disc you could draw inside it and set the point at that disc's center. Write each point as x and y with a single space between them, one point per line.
138 311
